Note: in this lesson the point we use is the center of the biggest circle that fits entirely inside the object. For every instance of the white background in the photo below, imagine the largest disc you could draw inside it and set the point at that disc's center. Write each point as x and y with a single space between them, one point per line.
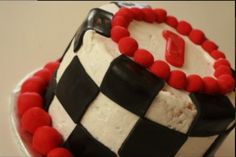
33 33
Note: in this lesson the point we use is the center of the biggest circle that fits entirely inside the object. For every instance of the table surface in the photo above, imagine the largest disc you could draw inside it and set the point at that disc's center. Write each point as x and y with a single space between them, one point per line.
33 33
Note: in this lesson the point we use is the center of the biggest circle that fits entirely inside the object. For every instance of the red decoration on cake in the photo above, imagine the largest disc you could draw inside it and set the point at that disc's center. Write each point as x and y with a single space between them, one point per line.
172 21
226 83
177 79
119 32
197 36
44 74
160 69
160 15
216 54
34 118
45 139
128 46
143 57
175 47
149 15
210 85
209 46
184 28
59 152
52 66
195 83
34 84
221 70
28 100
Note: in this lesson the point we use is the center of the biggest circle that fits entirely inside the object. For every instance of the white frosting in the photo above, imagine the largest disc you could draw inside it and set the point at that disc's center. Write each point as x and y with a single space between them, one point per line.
61 121
173 109
195 146
108 122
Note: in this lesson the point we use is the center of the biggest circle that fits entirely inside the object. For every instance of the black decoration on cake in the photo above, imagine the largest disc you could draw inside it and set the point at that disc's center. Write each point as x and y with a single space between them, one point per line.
130 85
152 140
82 144
50 91
128 4
215 113
76 90
98 20
217 143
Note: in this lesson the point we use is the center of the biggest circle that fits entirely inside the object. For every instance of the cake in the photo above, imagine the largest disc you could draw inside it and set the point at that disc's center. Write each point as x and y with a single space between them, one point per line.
134 81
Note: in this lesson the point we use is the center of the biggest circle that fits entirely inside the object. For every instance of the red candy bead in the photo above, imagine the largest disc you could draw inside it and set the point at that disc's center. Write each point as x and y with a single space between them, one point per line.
138 14
226 83
210 85
177 79
172 21
45 139
184 28
44 74
160 15
149 15
216 54
120 21
160 69
194 84
34 84
118 32
125 12
220 62
143 57
34 118
59 152
28 100
52 66
197 36
209 46
221 70
128 46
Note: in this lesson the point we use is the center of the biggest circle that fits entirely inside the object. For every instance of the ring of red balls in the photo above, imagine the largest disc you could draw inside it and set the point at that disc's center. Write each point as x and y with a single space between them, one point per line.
222 83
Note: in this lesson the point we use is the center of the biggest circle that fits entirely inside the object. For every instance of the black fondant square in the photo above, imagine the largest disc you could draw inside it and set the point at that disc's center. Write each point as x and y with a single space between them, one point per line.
130 85
149 139
82 144
76 90
215 113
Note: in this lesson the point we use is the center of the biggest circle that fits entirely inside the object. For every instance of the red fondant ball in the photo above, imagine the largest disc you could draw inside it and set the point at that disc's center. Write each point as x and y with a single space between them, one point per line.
52 66
128 46
216 54
28 100
149 15
177 79
34 84
221 70
172 21
126 13
44 74
184 28
209 46
119 21
45 139
34 118
197 36
138 14
226 83
143 57
59 152
210 85
118 32
220 62
195 83
160 69
160 15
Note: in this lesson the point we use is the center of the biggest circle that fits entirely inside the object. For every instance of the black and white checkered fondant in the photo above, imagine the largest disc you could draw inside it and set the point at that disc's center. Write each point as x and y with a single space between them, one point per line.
103 113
